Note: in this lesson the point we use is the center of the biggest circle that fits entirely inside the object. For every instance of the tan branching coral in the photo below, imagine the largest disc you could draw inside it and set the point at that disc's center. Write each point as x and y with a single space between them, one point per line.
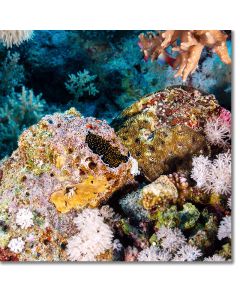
189 50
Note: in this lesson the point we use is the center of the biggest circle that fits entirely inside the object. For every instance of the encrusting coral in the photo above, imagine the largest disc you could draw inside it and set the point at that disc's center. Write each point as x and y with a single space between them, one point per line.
188 43
58 176
165 129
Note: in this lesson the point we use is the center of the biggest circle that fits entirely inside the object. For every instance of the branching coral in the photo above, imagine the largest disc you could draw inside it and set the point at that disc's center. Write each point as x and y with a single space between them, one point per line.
170 245
81 84
14 37
213 176
188 43
17 112
11 74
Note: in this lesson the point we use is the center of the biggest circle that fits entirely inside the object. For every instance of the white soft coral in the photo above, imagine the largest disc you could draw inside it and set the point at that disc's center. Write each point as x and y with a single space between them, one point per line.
201 165
187 253
213 176
218 132
16 245
170 239
24 218
225 229
94 236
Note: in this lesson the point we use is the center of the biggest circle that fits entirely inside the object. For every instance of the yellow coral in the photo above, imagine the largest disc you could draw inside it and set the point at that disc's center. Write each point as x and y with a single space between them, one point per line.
161 192
80 195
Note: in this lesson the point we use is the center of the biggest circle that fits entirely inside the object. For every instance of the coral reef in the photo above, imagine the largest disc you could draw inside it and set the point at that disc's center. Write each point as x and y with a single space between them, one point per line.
154 185
59 174
163 130
192 43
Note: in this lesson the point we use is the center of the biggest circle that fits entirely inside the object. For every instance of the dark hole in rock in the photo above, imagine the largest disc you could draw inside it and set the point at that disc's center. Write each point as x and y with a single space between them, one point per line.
92 165
81 172
137 140
70 150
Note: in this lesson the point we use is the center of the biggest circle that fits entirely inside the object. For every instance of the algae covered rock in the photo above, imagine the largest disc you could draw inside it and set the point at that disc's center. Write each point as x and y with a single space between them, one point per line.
164 130
81 158
161 192
62 165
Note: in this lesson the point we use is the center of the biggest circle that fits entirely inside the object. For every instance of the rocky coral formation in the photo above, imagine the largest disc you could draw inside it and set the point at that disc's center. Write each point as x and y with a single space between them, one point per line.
63 164
164 130
159 194
192 43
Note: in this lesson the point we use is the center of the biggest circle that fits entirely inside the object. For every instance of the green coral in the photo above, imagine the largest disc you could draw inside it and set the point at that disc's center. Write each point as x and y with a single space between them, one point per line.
81 84
11 74
18 111
188 216
168 218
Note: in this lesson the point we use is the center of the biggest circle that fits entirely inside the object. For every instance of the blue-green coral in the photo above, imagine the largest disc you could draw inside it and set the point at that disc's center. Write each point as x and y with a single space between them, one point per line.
80 84
11 74
18 111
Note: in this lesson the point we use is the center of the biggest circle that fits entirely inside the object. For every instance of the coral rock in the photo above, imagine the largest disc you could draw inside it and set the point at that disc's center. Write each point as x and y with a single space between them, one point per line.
159 193
59 172
165 129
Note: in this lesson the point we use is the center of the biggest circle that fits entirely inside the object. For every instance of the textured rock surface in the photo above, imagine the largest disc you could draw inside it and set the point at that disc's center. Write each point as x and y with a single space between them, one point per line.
55 172
159 194
163 130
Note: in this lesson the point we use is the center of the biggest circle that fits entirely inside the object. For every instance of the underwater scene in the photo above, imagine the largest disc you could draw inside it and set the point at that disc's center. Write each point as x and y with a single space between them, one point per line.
115 145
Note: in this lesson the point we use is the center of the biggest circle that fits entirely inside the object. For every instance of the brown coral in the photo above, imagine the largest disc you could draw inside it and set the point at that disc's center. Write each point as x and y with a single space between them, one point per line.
189 51
163 130
159 193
